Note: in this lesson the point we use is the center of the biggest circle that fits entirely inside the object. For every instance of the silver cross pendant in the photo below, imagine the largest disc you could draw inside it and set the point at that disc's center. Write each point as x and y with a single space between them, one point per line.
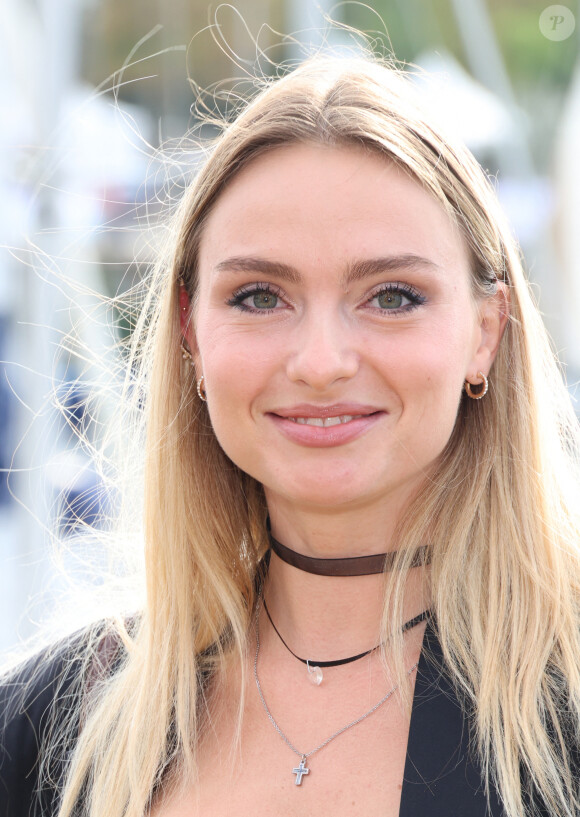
300 770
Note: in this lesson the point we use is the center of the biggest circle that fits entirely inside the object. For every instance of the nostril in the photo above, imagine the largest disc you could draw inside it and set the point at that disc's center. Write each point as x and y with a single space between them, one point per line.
319 365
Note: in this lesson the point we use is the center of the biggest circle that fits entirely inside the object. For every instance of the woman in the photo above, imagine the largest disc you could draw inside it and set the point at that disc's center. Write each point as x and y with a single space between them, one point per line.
345 365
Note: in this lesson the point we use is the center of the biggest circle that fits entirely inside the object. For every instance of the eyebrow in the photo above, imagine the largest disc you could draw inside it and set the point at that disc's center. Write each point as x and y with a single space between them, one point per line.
242 263
356 271
359 270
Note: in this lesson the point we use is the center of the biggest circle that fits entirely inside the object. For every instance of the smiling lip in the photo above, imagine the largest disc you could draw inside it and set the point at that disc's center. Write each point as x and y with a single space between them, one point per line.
325 426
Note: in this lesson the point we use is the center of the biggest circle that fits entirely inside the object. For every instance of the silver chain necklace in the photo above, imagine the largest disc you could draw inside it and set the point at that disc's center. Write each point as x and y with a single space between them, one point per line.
302 769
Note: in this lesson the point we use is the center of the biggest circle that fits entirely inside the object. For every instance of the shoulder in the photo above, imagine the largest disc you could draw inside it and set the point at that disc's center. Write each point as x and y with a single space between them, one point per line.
40 702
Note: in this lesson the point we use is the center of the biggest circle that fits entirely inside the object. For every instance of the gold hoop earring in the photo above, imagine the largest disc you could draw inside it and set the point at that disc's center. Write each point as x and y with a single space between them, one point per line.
186 355
479 394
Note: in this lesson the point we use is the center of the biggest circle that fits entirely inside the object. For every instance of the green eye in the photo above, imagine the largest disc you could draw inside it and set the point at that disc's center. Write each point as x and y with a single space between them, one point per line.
264 300
390 300
398 298
258 297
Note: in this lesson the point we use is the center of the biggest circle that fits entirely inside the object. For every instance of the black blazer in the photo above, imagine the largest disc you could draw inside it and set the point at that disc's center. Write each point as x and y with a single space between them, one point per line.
442 776
39 695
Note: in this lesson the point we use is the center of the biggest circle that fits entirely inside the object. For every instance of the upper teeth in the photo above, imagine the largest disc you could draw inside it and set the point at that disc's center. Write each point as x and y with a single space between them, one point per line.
325 421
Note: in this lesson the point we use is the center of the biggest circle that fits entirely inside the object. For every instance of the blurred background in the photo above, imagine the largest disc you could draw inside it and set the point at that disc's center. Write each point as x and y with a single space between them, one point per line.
91 90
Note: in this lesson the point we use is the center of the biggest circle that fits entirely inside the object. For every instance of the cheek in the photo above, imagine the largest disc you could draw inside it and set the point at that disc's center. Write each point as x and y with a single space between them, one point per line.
431 375
433 360
237 371
235 365
232 354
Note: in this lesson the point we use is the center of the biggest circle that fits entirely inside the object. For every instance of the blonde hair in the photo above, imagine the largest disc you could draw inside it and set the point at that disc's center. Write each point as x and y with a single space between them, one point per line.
498 514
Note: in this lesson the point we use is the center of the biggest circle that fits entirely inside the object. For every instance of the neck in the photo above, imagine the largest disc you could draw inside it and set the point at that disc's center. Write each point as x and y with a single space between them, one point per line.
333 533
343 567
315 612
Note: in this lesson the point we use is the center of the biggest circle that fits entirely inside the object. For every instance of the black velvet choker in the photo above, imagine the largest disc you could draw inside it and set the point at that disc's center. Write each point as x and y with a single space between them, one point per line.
350 566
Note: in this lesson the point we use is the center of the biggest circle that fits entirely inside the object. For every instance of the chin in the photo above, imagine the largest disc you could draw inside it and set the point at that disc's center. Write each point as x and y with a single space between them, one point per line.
326 494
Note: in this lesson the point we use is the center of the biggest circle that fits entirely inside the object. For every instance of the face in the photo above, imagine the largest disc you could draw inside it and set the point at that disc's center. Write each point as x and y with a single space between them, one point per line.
335 327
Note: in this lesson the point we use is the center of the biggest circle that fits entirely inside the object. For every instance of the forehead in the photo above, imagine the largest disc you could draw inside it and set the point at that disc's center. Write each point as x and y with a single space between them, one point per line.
311 202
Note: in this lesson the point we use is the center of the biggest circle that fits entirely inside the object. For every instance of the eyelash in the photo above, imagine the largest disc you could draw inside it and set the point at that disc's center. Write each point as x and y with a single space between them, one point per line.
238 298
395 288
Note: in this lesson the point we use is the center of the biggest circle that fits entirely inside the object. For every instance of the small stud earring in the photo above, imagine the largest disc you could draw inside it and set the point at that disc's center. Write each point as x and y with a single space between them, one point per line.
482 392
186 351
201 389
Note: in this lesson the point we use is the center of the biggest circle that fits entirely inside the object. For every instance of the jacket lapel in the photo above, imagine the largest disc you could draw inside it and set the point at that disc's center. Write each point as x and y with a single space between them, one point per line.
442 776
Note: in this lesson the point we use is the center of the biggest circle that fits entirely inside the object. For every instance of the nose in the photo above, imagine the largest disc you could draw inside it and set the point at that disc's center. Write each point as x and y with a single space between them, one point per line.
322 352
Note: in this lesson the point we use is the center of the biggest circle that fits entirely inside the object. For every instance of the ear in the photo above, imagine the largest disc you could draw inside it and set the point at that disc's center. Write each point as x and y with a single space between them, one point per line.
186 323
493 314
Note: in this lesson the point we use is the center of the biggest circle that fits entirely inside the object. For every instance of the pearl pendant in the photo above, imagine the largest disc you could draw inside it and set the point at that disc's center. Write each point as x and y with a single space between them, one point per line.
315 675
